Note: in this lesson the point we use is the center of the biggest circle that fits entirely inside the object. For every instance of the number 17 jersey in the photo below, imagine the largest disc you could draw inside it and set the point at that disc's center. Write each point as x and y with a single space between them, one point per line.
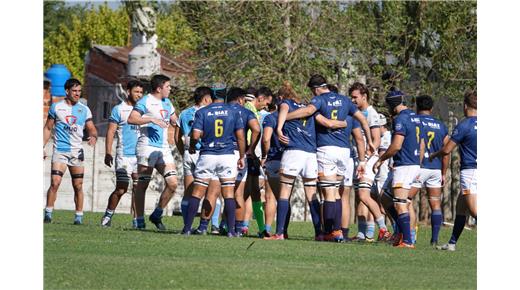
218 122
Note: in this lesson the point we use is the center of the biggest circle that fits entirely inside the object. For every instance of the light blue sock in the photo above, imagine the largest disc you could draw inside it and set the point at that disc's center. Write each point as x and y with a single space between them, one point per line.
216 213
412 233
268 228
371 227
245 224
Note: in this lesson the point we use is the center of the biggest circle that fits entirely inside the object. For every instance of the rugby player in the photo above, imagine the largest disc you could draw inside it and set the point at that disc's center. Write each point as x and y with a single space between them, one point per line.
465 136
407 149
333 148
432 174
219 127
361 96
126 161
68 118
154 113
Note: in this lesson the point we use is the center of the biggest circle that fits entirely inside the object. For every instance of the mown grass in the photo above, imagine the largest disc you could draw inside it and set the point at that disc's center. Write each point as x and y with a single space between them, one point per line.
91 257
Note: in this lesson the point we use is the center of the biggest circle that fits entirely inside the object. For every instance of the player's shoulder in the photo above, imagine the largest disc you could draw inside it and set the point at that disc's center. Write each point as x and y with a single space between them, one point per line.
372 111
82 107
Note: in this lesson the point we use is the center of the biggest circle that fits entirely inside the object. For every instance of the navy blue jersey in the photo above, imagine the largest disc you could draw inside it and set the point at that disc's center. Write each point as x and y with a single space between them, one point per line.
245 115
335 107
301 132
465 135
434 132
408 125
276 149
218 122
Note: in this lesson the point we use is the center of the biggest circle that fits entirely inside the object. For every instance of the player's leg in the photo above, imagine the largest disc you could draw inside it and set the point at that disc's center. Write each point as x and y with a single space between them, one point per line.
253 188
239 189
208 207
200 186
76 174
282 207
122 182
135 178
57 171
372 205
145 175
403 179
434 198
272 185
168 171
188 163
216 212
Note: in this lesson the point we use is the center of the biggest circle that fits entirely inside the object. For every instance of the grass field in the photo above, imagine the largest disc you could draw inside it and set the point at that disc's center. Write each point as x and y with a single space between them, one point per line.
88 256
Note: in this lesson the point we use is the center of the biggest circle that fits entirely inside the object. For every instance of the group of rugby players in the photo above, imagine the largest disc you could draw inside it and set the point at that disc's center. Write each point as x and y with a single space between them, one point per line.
247 147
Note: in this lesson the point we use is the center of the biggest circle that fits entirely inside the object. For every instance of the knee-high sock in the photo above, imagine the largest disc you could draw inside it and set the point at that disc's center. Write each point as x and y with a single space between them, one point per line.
216 213
184 209
458 227
339 213
258 211
404 224
436 221
281 215
329 214
393 213
314 207
287 218
230 207
193 206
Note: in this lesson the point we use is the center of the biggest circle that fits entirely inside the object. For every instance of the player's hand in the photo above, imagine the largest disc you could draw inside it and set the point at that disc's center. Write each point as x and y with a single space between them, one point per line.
159 123
109 160
376 166
371 148
432 156
360 170
282 138
443 180
241 164
262 162
192 150
92 140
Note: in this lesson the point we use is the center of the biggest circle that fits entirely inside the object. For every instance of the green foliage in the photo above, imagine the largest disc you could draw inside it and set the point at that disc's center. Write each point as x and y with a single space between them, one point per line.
91 257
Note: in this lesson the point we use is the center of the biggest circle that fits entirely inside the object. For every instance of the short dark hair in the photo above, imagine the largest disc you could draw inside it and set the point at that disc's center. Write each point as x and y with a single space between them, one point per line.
46 84
70 83
234 93
251 91
264 91
470 99
316 81
333 88
199 93
133 83
363 89
158 81
424 103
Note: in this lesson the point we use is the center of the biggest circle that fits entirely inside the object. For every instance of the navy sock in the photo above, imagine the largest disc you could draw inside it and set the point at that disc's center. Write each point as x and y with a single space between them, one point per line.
404 224
436 221
193 206
157 212
329 213
230 207
339 213
345 232
184 209
281 215
203 226
314 207
458 227
287 219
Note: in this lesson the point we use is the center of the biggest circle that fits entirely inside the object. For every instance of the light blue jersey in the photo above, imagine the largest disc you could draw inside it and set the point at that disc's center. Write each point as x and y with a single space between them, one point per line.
186 123
152 134
127 134
69 124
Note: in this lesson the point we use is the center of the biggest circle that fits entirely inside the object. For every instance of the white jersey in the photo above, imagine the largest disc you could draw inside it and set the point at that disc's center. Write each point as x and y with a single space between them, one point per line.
386 139
373 122
126 134
152 134
69 124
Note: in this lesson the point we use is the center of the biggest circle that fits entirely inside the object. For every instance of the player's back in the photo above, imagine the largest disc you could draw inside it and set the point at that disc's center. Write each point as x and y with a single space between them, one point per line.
465 134
186 119
245 115
335 107
408 125
275 148
218 122
301 132
127 134
433 131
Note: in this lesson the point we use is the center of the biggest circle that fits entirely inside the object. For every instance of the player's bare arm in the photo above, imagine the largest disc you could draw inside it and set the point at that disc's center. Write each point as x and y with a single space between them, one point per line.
47 131
241 141
446 149
109 160
135 118
445 161
301 112
364 124
360 145
395 146
266 143
179 142
376 136
92 133
422 148
328 123
255 136
282 116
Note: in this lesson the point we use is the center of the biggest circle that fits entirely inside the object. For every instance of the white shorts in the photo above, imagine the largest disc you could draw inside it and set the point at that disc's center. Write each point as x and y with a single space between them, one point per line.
369 173
221 166
332 160
404 176
431 178
349 173
468 181
189 161
299 162
151 156
272 168
125 166
241 173
262 173
73 158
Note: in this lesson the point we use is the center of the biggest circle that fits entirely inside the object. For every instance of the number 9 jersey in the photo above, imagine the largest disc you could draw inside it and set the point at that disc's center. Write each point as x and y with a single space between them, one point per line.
218 122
